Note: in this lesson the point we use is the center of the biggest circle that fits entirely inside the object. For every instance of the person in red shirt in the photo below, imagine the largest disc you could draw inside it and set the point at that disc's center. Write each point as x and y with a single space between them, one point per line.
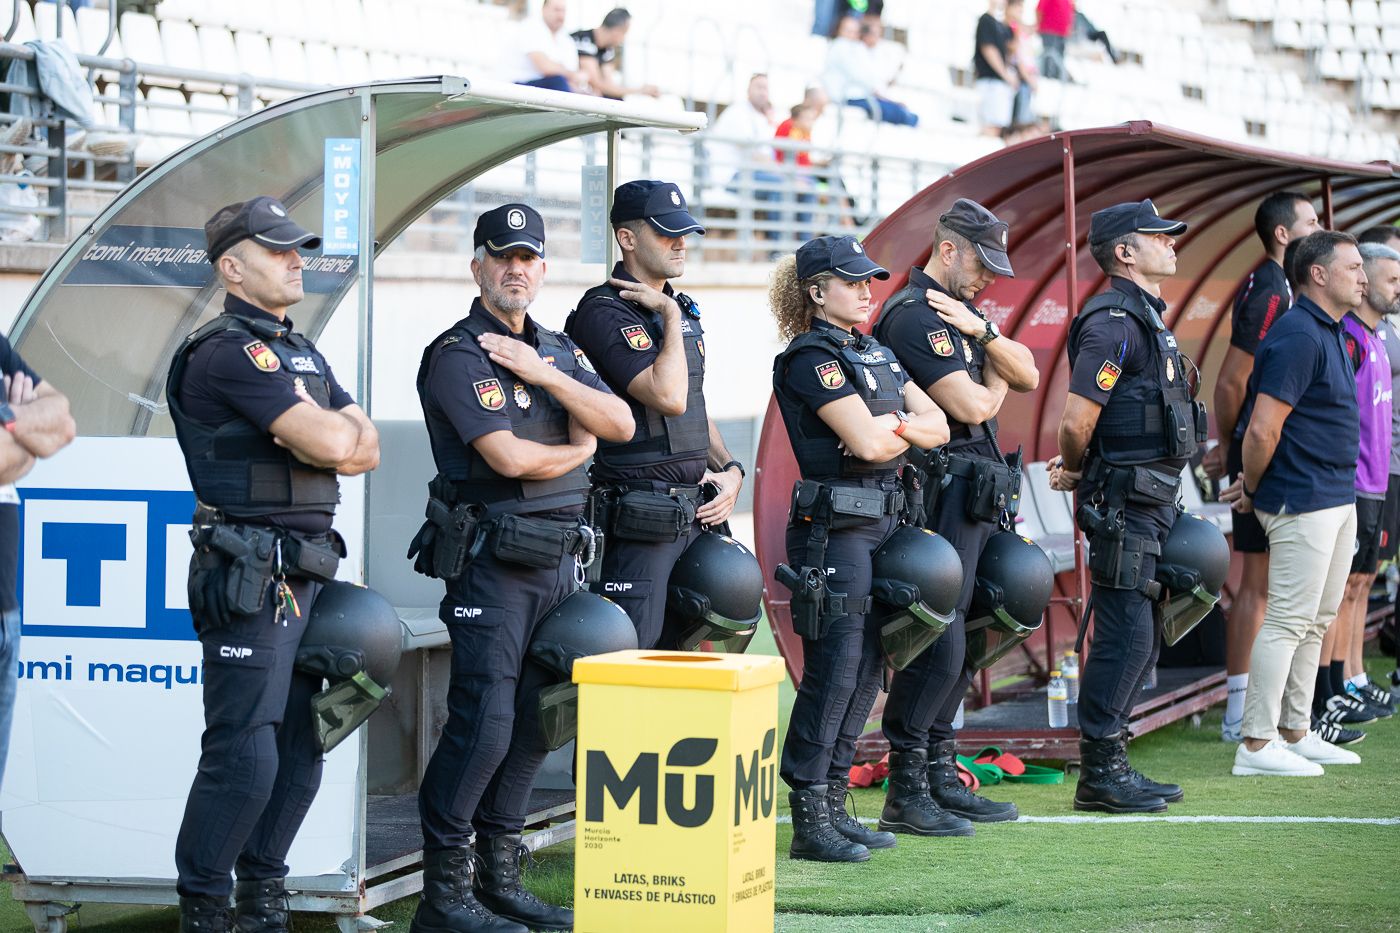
1054 21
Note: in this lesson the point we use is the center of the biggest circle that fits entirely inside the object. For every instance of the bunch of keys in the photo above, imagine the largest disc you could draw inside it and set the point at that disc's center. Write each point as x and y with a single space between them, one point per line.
286 599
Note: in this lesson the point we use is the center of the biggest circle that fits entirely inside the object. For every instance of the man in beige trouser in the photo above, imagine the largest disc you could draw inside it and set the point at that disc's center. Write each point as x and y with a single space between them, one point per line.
1300 451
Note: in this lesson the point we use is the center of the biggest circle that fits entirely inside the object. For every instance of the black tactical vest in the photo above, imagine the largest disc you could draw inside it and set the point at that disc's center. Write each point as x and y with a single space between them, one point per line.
235 467
974 356
658 438
475 480
1150 414
872 371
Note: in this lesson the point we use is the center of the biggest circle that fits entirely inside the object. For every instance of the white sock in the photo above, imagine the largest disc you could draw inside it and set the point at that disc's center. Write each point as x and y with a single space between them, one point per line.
1234 699
1359 681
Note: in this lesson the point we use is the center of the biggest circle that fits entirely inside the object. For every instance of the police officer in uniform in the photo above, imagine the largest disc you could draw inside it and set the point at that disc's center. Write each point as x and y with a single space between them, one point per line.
967 366
851 414
513 413
647 342
264 428
1131 423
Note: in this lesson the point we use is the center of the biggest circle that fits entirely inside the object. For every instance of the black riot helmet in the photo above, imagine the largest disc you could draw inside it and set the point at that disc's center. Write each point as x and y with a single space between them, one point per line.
1194 564
1013 587
917 579
582 624
715 595
354 639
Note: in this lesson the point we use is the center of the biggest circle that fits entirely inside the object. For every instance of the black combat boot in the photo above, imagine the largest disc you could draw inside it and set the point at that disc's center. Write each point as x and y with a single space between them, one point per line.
499 889
813 836
950 794
908 806
1171 793
204 915
850 827
448 904
1104 781
261 907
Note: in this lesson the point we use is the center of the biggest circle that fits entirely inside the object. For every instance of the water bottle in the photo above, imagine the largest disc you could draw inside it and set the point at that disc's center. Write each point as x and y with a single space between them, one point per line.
1150 681
1057 701
958 717
1070 669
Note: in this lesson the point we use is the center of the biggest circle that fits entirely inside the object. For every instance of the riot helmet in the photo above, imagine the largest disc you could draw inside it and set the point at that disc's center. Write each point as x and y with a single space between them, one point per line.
354 639
917 580
582 624
1012 588
1194 564
714 597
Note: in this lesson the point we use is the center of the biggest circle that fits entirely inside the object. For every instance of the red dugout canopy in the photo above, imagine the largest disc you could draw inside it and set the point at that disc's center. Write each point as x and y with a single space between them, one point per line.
1046 189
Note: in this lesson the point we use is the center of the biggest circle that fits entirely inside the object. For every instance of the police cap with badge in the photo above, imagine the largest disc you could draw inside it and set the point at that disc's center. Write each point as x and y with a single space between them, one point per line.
659 203
508 227
1132 217
988 234
842 256
264 220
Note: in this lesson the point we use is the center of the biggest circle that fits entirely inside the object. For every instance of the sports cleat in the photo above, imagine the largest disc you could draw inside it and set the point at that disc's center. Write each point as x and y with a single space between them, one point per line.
1335 734
1347 710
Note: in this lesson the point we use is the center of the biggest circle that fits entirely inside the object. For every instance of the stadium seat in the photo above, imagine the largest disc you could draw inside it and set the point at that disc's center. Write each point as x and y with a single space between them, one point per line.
163 127
92 33
254 54
180 41
218 50
46 25
289 58
140 37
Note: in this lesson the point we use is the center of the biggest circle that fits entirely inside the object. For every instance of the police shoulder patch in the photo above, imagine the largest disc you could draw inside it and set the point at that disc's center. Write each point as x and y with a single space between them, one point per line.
831 375
489 394
941 343
1107 376
262 356
583 360
637 337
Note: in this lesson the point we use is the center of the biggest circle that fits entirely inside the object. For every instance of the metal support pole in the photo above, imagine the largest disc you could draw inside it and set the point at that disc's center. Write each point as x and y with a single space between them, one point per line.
610 242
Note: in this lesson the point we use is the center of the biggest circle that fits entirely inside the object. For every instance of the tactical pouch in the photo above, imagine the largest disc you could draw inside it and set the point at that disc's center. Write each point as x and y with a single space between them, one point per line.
996 488
248 574
316 560
532 542
853 506
1180 428
640 515
1202 423
1153 487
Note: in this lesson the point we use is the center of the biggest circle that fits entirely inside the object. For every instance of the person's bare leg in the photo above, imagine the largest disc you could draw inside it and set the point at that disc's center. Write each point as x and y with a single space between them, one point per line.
1246 613
1354 662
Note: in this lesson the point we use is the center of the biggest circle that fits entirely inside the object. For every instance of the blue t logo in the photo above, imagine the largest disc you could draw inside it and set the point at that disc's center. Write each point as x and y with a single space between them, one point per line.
84 546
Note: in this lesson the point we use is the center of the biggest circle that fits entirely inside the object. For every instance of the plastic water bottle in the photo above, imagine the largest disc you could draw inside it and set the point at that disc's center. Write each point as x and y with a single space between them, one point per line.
1150 681
1070 668
958 717
1057 701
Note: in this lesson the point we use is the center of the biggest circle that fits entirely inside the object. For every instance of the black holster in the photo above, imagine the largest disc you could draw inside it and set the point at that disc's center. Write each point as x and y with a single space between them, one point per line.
996 486
442 548
1116 558
814 606
932 469
232 570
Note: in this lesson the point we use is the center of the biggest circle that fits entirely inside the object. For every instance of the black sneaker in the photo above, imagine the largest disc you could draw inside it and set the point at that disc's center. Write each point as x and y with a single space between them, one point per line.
1377 696
1337 735
1370 706
1348 711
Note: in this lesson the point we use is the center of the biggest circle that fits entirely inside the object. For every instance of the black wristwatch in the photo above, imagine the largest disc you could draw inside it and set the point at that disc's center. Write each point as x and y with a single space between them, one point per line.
1248 493
991 333
734 463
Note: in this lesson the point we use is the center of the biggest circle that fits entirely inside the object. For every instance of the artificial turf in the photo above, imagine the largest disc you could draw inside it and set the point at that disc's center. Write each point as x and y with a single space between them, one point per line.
1104 875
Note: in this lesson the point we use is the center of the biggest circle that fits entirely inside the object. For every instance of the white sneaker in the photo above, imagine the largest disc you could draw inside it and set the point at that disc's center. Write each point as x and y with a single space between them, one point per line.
1230 731
1314 748
1273 760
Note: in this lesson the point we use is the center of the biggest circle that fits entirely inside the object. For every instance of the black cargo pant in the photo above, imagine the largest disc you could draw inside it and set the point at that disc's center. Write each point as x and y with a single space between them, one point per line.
484 766
1126 637
924 697
259 763
635 574
841 672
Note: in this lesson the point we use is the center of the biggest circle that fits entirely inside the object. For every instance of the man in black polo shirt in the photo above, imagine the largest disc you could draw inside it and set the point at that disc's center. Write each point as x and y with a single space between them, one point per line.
647 343
37 425
967 366
996 76
1280 218
598 50
1300 449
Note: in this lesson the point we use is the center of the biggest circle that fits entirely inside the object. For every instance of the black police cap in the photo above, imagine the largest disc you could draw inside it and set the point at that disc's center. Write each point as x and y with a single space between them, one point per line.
659 203
509 227
264 220
988 234
840 255
1132 217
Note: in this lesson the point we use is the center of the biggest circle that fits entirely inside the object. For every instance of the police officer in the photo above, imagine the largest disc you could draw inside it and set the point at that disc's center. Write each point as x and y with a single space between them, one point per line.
513 412
1130 424
647 342
264 428
967 366
851 414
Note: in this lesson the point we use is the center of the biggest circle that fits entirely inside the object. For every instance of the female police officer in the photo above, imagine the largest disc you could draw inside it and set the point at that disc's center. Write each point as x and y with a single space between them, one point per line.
844 400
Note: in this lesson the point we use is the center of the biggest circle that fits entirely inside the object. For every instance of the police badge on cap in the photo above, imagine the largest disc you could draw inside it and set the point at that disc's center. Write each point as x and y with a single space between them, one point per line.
508 227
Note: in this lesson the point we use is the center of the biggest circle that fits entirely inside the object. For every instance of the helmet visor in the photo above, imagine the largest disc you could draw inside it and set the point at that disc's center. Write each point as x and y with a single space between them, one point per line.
558 715
341 709
908 633
716 634
1183 611
991 638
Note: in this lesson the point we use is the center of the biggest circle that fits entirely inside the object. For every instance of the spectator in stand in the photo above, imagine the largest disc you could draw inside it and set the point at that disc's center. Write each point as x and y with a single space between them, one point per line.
743 153
852 72
830 13
799 127
1024 124
1054 22
1383 234
544 54
996 78
1281 219
598 50
1300 452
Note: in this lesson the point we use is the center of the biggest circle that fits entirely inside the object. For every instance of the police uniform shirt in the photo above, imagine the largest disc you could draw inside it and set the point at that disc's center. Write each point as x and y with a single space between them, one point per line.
930 348
232 375
621 340
1263 297
11 364
466 396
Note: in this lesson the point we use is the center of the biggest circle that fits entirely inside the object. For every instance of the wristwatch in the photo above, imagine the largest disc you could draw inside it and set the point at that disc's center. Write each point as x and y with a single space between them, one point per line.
734 463
7 416
900 428
990 334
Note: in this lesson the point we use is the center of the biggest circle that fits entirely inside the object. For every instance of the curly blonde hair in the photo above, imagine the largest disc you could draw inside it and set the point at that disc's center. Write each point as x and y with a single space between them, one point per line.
789 298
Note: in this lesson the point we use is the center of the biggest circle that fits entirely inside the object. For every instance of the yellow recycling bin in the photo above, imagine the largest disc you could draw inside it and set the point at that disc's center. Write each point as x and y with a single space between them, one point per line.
677 785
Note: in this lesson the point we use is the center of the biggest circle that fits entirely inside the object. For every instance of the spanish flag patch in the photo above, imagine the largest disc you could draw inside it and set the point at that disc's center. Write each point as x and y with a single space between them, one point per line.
1108 375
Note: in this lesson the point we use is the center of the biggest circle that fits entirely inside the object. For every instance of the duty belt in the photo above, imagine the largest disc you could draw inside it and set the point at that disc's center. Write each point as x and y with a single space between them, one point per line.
692 492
